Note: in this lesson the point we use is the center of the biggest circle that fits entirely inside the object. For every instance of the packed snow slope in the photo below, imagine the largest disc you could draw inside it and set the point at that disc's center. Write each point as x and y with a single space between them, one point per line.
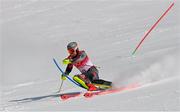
33 32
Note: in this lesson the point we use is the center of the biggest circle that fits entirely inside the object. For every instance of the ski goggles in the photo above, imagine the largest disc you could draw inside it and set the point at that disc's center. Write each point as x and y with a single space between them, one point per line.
71 51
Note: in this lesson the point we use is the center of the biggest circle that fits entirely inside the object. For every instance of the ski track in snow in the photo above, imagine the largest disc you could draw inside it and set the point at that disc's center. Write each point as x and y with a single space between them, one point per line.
32 36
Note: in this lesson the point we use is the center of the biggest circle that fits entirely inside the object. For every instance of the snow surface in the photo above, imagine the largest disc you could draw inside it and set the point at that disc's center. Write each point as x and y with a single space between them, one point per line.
33 32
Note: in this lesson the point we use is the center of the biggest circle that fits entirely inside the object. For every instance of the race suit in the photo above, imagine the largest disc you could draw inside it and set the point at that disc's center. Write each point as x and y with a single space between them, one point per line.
81 61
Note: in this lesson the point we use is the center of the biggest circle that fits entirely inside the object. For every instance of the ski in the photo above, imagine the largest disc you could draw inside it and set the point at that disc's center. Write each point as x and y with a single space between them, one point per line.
66 96
90 94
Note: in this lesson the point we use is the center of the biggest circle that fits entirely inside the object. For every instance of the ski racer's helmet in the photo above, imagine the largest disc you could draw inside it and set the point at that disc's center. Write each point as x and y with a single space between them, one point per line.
72 47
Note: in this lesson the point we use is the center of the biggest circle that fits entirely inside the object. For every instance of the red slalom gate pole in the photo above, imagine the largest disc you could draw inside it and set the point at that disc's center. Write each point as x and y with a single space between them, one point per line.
152 28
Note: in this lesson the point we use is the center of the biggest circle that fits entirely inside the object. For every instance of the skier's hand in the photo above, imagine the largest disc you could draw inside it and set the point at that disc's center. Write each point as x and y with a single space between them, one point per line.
66 61
63 77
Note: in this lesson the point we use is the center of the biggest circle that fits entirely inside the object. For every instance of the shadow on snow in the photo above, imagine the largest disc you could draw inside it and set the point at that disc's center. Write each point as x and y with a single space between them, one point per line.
31 99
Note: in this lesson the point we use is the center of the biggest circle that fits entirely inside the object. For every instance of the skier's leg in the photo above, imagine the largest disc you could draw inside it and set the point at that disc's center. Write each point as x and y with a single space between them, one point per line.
82 80
93 76
92 73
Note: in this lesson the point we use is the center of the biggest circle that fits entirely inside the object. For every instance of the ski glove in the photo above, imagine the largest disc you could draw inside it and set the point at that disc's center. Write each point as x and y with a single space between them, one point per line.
63 76
66 61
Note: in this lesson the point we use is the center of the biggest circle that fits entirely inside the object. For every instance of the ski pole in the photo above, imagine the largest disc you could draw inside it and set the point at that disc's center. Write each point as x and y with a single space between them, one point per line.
60 86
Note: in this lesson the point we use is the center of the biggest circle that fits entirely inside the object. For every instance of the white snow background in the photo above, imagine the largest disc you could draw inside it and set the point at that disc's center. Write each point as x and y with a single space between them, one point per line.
33 32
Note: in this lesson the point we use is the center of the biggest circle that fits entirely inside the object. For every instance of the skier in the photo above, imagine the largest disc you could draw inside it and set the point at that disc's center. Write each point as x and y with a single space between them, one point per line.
89 73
